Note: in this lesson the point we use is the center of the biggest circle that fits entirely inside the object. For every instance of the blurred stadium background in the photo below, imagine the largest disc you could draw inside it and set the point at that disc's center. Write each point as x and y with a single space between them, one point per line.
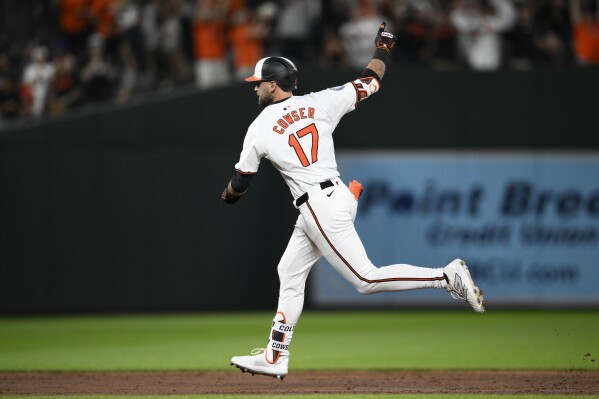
120 123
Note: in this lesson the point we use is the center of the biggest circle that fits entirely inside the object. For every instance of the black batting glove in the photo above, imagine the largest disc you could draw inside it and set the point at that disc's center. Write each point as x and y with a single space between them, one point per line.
384 40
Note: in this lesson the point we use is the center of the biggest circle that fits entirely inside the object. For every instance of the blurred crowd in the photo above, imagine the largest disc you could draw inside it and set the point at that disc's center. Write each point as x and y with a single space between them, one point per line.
73 53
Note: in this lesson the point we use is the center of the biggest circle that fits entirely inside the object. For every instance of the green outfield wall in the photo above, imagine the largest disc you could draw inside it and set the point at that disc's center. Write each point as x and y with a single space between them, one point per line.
117 209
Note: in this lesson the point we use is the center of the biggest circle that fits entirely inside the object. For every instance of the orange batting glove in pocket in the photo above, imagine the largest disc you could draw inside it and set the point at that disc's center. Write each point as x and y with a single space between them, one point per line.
356 188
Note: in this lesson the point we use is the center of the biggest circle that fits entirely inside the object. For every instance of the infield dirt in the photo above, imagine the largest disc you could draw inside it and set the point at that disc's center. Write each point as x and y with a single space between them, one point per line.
300 382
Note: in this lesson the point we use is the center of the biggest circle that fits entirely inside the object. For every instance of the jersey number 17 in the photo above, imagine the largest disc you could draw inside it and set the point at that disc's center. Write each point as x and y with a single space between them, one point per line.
294 142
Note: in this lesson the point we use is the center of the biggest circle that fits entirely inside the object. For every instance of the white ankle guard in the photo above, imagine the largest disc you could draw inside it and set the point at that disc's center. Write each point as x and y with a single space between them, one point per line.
278 346
279 340
287 329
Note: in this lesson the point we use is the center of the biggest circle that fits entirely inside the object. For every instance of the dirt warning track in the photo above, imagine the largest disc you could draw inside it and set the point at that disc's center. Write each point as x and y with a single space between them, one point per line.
300 382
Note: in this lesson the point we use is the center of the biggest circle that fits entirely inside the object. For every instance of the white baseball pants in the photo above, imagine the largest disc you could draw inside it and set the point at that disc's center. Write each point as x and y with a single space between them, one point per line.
325 227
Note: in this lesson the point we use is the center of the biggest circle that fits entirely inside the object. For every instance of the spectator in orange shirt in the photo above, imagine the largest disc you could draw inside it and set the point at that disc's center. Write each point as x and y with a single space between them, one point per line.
246 35
210 46
74 22
103 16
103 13
585 29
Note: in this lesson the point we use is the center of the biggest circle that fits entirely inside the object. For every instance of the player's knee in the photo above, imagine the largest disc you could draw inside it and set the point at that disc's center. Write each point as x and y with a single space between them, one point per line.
364 288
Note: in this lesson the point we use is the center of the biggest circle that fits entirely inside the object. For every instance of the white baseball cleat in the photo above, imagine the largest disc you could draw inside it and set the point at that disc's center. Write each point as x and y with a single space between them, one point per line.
257 364
461 286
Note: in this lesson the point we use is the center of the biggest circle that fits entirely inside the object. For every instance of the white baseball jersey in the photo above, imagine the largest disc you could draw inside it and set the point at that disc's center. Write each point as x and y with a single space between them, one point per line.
296 134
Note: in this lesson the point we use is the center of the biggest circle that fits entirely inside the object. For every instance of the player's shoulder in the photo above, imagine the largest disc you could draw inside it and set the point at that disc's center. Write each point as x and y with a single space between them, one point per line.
335 94
332 90
345 86
256 123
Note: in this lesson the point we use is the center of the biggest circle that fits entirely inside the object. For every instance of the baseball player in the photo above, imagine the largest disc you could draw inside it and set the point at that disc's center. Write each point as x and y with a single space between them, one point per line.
296 134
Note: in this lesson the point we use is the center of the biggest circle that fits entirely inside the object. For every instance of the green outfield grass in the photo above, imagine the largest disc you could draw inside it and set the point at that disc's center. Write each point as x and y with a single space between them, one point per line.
560 340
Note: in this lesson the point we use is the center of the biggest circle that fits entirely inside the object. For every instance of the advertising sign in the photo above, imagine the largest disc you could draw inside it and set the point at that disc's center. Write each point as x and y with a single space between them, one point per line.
526 223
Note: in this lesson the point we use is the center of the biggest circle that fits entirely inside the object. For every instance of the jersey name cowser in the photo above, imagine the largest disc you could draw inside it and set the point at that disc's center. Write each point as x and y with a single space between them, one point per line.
292 117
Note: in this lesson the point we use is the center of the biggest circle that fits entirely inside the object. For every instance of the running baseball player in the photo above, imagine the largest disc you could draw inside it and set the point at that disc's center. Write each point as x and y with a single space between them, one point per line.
296 134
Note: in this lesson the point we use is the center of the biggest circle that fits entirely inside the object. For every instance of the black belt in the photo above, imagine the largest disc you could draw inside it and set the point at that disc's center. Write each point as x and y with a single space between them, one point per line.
304 197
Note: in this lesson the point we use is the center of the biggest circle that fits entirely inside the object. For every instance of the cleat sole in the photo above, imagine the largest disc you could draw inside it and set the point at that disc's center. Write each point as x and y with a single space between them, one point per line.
253 373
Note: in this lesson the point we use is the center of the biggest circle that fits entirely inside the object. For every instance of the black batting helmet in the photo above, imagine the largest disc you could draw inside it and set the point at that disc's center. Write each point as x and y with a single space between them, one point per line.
278 69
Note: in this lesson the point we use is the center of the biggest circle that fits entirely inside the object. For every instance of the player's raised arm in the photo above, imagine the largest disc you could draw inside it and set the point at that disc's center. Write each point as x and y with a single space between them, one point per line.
370 81
384 42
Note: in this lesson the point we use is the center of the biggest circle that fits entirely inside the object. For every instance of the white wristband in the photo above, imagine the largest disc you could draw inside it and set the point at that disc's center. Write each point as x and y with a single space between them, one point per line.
365 87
